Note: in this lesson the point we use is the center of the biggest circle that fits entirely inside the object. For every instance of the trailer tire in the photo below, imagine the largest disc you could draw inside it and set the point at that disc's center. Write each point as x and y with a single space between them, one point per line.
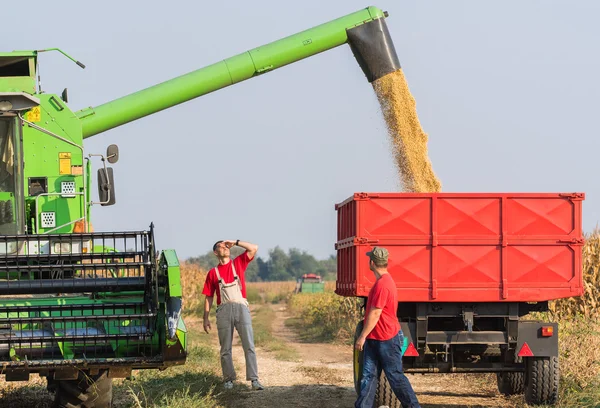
511 383
385 395
542 380
85 392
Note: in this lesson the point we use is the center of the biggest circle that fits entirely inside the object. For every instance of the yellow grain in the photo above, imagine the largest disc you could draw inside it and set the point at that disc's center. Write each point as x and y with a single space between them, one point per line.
409 142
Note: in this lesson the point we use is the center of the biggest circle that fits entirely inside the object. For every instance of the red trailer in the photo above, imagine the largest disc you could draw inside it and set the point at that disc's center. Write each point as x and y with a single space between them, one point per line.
468 267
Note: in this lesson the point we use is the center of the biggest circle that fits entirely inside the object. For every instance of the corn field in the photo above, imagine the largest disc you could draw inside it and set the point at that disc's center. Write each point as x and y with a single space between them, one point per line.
192 282
326 315
587 306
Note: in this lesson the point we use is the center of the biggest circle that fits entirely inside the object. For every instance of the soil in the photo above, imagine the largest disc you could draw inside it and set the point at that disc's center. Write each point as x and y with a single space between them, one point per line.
323 377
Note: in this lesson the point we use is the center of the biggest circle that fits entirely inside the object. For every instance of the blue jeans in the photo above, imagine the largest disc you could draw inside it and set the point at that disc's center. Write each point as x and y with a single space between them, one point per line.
387 356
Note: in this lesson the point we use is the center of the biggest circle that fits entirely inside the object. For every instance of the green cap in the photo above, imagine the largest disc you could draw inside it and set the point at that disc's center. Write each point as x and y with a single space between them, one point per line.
378 255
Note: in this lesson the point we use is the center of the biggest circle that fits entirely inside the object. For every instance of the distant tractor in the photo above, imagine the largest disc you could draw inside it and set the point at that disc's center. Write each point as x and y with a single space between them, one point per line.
310 283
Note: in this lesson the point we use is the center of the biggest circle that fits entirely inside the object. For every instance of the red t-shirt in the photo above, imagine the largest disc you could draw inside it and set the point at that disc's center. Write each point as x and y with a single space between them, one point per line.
211 285
383 295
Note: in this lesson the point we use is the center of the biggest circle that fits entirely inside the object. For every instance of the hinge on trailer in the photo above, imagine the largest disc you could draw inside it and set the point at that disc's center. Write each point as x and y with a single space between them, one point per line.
572 241
364 241
433 288
365 196
573 196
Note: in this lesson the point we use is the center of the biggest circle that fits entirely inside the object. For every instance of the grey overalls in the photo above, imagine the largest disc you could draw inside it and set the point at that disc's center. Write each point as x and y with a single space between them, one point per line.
234 312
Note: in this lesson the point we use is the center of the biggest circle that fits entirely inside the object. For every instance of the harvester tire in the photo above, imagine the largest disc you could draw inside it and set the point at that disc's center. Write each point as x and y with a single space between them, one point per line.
357 359
511 383
86 392
542 378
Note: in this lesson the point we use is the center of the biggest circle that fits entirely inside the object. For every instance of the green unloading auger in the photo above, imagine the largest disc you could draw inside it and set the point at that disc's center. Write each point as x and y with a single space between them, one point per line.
365 31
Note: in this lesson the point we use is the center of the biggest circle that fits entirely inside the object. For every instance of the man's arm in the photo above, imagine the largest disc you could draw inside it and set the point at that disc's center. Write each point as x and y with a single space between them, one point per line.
250 248
208 301
372 319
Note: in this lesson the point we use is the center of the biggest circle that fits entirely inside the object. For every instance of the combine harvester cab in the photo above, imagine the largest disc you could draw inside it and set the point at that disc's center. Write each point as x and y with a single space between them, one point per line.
310 283
469 269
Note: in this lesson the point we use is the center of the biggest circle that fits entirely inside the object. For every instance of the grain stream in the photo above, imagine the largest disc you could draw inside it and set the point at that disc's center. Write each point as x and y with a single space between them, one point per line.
409 142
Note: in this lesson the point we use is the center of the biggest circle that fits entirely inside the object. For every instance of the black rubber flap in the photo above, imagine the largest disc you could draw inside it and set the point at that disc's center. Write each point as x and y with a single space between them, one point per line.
373 48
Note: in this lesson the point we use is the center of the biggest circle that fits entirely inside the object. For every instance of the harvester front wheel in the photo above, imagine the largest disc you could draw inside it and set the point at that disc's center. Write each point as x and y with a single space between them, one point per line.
358 359
88 391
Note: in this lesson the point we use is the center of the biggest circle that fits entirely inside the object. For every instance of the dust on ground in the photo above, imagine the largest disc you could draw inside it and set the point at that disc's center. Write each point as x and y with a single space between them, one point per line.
323 377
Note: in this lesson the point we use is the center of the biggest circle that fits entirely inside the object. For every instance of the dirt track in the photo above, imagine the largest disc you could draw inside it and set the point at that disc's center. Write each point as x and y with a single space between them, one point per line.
323 378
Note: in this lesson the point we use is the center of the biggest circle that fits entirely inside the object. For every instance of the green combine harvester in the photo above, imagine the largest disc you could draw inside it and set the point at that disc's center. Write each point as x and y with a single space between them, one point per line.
80 307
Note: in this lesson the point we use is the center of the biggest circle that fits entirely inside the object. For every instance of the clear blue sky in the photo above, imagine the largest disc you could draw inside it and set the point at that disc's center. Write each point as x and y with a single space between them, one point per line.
507 91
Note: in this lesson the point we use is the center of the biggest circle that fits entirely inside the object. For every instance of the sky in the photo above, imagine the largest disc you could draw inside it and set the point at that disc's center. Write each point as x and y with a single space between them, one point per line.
506 90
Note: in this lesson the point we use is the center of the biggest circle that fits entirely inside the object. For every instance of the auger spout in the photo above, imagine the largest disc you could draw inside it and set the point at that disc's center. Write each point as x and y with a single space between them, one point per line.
364 30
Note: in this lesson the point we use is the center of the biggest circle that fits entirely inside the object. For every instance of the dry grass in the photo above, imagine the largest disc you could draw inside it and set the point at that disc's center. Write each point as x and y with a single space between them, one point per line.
588 305
409 142
324 375
579 326
325 316
269 292
262 323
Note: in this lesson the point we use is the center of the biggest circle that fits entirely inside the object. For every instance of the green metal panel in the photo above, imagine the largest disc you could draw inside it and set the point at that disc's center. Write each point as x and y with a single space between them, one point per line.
25 53
173 273
312 287
216 76
55 155
17 84
25 83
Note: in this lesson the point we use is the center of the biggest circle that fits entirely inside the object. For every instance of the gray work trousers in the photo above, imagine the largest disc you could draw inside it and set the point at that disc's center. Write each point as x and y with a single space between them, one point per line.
230 315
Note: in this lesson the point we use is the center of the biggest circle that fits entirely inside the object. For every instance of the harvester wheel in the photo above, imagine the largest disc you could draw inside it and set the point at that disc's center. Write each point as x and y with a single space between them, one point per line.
85 392
541 383
357 360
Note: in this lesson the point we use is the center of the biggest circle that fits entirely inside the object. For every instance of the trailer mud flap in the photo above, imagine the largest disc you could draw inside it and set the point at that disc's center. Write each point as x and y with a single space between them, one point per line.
541 343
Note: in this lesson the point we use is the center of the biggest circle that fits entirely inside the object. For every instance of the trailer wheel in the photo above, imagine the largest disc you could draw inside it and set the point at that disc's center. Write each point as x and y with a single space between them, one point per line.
542 380
511 383
85 392
385 395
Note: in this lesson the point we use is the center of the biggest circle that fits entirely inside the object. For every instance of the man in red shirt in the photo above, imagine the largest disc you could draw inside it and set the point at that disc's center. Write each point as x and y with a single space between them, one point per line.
227 279
382 338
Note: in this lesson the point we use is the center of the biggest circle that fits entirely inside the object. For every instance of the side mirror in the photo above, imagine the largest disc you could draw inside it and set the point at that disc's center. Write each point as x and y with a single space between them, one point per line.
106 186
112 153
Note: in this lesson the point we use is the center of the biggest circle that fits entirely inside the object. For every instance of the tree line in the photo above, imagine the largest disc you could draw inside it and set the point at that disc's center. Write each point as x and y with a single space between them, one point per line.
279 266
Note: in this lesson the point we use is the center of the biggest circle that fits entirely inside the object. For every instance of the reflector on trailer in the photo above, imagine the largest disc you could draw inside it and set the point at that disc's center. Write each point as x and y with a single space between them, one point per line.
547 331
411 351
525 351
